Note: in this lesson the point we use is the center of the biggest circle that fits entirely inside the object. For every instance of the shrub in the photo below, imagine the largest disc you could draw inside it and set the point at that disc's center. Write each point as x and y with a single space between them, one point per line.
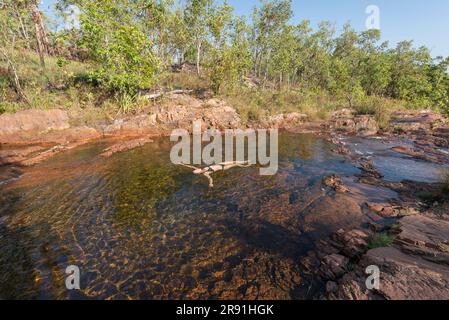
380 240
124 54
378 107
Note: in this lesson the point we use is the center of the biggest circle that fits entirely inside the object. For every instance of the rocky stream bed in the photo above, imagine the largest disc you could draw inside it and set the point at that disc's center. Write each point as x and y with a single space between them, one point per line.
104 197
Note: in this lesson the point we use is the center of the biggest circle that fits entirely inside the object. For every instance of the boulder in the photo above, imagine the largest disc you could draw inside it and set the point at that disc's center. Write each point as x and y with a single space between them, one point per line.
345 125
32 121
412 121
343 113
366 126
407 277
351 287
353 243
185 100
285 121
422 232
335 183
345 121
222 117
389 211
333 266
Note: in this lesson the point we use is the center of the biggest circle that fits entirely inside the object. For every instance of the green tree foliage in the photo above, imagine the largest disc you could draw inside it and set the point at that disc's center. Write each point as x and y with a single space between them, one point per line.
130 43
113 33
21 27
269 22
229 57
197 15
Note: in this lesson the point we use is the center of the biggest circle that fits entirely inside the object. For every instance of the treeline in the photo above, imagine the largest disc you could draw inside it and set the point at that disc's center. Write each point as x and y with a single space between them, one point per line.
133 43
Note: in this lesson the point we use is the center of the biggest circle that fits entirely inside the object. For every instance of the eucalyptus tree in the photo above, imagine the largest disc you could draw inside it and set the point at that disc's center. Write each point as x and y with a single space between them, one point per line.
269 21
317 55
156 18
284 60
15 34
113 33
230 57
43 44
347 59
375 63
197 15
178 35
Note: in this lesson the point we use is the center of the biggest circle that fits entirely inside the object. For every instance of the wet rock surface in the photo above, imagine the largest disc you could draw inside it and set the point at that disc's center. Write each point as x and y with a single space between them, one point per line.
416 121
414 267
408 277
125 146
335 183
140 228
31 121
153 232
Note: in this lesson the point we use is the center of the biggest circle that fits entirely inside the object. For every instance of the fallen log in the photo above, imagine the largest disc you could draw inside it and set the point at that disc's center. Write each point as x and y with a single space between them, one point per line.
157 95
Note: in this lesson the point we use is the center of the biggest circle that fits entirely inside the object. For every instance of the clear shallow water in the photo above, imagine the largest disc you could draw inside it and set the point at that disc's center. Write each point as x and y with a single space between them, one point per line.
396 167
140 227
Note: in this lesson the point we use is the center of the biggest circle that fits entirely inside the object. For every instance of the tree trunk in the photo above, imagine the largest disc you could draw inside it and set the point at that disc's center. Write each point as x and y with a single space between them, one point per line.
198 57
41 36
14 76
23 28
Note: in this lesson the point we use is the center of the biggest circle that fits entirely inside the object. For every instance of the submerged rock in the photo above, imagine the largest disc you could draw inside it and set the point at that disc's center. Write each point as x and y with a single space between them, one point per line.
125 146
335 183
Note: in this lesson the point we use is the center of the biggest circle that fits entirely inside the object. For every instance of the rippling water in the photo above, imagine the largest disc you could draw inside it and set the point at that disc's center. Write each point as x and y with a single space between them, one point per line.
140 227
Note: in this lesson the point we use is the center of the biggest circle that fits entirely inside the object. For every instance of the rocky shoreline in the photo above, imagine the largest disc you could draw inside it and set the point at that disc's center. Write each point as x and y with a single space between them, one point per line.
415 265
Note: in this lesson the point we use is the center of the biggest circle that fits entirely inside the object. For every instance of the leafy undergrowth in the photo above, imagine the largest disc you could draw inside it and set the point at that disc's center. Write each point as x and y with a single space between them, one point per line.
380 240
65 84
379 107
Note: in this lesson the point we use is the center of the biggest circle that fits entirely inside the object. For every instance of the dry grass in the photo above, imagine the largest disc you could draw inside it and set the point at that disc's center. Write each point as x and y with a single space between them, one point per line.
51 87
252 104
62 85
381 108
183 80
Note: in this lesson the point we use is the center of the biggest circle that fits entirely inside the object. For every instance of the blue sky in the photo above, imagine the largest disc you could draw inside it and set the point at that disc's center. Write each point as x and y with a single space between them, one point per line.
424 21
